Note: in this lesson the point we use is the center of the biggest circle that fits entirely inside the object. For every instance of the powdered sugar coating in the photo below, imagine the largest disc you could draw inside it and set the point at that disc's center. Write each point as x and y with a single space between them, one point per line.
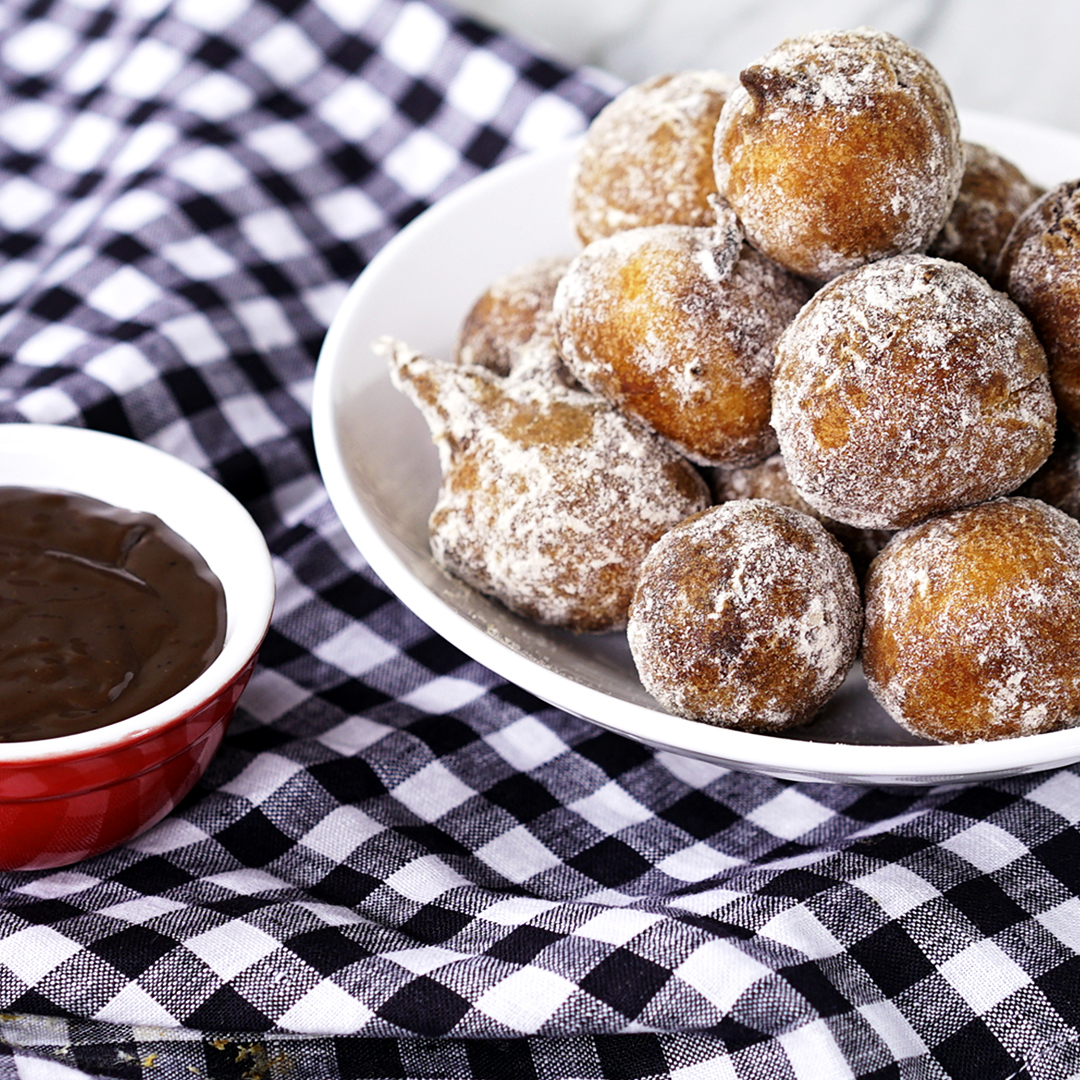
769 480
549 498
647 157
746 615
1040 269
973 623
511 312
993 194
906 388
675 326
839 148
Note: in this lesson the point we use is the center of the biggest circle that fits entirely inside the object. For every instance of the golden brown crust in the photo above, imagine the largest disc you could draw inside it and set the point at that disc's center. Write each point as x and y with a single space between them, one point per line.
837 149
973 623
509 314
993 194
675 326
647 157
1040 270
906 388
746 615
549 498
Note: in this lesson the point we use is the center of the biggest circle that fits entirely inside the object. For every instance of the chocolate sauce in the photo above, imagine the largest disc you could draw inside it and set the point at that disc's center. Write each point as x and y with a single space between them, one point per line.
103 613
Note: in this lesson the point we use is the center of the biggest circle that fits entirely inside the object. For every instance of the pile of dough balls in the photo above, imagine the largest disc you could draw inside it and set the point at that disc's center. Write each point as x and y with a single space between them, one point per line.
802 396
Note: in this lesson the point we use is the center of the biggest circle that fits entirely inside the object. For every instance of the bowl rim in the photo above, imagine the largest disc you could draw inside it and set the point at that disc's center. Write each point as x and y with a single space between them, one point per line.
250 596
779 756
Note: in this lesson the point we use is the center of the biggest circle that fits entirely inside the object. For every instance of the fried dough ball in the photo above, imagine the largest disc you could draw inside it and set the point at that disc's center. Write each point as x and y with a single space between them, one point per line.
509 314
837 149
973 623
769 480
746 615
549 498
1058 481
675 326
1040 270
993 194
647 157
906 388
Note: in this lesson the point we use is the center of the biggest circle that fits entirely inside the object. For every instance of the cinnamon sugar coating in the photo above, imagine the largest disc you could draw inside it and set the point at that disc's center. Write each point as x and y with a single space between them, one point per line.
675 326
973 623
509 314
1040 269
993 194
769 480
906 388
647 157
746 615
839 148
549 498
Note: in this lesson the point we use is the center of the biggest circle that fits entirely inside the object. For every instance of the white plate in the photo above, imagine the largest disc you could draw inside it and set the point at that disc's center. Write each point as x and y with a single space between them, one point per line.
382 474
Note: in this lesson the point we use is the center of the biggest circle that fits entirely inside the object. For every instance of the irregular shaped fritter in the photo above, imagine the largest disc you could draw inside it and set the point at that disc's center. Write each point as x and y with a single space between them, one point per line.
549 498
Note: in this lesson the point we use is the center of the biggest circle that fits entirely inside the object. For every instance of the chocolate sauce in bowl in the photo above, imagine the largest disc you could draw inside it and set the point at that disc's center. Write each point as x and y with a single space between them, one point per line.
104 612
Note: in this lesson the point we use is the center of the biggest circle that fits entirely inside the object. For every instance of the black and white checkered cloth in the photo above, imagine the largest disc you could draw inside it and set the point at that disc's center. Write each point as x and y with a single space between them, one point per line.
399 866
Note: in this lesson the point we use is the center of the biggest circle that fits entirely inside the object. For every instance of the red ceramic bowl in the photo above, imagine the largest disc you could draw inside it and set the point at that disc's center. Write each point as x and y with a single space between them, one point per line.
64 799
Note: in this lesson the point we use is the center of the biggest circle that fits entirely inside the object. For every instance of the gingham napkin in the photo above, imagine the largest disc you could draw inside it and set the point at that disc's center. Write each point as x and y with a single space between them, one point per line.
399 865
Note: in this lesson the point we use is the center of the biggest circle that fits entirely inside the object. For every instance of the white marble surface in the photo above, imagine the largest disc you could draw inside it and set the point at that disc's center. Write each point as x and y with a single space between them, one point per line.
1000 56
